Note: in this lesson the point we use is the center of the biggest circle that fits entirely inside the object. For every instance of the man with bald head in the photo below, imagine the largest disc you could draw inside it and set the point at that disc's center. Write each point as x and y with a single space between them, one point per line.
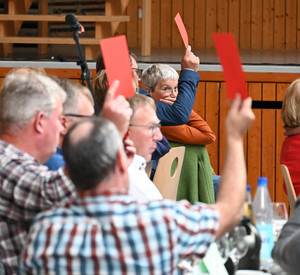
106 231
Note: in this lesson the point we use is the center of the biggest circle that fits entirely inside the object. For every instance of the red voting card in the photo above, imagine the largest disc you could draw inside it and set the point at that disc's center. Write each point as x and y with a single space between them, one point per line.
117 64
231 63
182 30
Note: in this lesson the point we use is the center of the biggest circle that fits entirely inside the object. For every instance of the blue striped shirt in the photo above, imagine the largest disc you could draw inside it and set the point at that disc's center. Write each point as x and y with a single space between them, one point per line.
113 234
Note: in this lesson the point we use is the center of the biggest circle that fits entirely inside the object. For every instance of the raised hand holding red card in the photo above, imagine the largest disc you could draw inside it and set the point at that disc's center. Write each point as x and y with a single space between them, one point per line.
231 63
117 64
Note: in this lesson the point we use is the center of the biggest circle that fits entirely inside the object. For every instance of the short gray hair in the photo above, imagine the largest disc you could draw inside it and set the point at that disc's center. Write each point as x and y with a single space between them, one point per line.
23 96
158 72
91 154
73 90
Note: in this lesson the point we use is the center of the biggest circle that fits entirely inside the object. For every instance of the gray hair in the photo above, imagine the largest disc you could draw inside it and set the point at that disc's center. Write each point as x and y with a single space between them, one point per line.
22 96
156 73
90 151
73 90
139 101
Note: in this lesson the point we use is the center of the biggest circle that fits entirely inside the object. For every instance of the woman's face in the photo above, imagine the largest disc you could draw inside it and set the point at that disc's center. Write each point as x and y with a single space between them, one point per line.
165 89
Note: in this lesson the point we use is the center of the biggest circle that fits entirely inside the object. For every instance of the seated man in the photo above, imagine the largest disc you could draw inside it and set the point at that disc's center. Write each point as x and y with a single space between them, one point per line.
78 105
30 116
144 131
106 231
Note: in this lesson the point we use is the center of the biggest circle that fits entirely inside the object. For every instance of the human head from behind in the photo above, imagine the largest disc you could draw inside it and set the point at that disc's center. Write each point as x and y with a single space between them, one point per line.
161 81
94 154
28 70
79 103
144 127
30 112
290 111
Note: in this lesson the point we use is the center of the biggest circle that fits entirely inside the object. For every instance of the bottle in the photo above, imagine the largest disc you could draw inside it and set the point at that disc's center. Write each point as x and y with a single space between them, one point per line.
248 206
263 211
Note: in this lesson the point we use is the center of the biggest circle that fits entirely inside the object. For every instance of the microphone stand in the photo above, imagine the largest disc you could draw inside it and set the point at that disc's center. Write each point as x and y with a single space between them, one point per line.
85 73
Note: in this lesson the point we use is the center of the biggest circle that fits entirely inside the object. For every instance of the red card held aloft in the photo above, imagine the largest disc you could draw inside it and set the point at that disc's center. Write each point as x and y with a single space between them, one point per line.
117 64
182 30
231 63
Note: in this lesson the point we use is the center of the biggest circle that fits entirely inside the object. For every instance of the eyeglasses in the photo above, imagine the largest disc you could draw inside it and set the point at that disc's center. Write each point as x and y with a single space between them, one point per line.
80 116
153 128
169 90
138 71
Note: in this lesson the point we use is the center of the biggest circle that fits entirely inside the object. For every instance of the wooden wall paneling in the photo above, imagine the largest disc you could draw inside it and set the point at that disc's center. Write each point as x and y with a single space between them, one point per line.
279 193
200 23
254 140
189 20
291 24
139 25
43 27
256 26
234 19
199 105
155 24
245 24
298 25
132 25
211 22
165 26
268 138
268 24
177 6
212 118
279 25
222 16
223 110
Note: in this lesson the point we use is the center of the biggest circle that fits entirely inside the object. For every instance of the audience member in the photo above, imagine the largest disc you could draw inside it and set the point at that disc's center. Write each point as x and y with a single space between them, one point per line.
290 114
100 88
286 250
196 181
78 105
145 133
30 110
30 119
107 231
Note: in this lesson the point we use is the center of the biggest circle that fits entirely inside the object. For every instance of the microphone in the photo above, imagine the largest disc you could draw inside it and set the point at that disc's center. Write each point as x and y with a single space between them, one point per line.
72 21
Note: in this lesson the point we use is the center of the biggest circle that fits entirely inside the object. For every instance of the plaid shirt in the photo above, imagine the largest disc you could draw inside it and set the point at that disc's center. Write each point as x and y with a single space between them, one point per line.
26 188
113 234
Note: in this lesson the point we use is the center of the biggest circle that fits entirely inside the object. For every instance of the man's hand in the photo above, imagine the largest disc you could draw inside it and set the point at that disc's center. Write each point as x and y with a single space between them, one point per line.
189 60
239 118
117 109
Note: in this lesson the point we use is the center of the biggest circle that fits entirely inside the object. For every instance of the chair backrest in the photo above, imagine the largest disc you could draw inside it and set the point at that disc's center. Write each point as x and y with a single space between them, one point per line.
166 177
289 186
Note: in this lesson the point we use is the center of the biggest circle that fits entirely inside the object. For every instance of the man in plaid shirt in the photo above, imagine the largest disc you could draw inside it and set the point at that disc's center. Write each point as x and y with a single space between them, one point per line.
106 231
30 113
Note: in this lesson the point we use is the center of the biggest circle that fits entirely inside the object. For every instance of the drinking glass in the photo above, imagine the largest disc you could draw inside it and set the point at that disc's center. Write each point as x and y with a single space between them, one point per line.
237 245
279 218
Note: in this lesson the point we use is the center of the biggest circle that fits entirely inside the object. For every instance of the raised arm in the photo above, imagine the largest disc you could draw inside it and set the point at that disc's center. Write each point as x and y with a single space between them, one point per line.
232 192
179 113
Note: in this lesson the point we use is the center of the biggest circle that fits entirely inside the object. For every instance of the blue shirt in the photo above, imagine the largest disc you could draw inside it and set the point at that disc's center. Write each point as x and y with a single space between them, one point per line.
56 161
113 234
179 113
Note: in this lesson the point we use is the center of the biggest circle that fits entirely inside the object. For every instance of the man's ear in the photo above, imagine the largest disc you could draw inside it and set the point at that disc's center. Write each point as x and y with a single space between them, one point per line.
39 122
121 161
64 123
